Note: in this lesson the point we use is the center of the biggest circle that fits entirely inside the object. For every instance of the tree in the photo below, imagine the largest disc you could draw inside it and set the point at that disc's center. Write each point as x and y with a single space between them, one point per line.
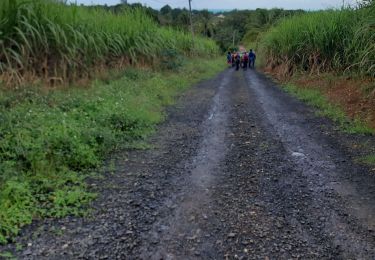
205 24
183 20
166 10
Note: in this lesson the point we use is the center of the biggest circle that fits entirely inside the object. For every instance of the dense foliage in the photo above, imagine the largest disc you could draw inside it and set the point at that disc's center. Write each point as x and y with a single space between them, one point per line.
56 42
333 40
245 27
228 29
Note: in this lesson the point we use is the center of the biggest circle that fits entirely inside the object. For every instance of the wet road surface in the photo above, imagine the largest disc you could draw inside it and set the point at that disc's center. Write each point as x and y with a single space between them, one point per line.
240 170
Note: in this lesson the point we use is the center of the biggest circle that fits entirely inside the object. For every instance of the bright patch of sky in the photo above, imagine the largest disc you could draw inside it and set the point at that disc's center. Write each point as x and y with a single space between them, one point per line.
232 4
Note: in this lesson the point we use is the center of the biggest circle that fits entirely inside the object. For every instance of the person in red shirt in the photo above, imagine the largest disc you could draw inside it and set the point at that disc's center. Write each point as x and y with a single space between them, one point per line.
245 60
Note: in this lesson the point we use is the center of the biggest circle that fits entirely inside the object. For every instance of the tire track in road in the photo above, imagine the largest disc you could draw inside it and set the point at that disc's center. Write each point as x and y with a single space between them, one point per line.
345 209
183 228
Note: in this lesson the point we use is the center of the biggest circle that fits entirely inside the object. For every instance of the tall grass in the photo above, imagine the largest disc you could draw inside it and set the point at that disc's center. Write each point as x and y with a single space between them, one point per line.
332 40
56 42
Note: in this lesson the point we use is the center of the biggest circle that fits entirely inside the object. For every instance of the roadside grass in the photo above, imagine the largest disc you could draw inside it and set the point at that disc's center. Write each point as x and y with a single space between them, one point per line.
320 41
370 159
51 140
315 98
7 255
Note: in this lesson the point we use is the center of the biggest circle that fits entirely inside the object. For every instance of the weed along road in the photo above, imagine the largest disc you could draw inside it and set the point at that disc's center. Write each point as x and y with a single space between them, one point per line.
240 170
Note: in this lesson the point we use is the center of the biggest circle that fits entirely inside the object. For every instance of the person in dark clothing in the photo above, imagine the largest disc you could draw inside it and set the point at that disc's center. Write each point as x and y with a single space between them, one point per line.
238 61
233 60
252 58
229 59
245 60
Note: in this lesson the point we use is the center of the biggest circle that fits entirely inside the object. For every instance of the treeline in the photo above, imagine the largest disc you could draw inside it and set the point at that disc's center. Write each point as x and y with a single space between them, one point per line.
333 40
228 29
178 18
244 27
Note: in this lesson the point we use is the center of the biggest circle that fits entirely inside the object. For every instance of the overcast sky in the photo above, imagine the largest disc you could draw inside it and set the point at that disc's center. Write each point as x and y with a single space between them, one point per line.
232 4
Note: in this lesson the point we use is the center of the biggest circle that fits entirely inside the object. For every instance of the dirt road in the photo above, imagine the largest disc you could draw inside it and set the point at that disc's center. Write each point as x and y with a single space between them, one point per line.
240 170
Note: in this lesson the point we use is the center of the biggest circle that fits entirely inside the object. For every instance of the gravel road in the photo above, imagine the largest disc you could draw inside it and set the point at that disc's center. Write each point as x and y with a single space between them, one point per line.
240 170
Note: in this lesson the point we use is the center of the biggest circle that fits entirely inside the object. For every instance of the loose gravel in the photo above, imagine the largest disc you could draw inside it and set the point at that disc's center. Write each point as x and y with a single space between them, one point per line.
240 170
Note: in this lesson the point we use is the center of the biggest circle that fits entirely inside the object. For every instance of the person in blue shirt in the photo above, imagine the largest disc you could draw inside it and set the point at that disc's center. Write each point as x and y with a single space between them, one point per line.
252 58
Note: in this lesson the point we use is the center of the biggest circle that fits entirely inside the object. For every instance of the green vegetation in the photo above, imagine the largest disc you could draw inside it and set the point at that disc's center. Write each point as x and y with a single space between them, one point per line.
228 29
204 22
58 43
50 140
7 255
245 27
316 99
370 159
332 40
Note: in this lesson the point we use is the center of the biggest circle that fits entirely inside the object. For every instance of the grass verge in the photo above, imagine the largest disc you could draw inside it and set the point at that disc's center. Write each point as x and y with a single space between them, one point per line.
7 255
370 159
334 112
51 140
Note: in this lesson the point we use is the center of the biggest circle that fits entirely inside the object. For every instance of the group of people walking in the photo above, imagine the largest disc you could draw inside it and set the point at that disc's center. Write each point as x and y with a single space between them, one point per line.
244 60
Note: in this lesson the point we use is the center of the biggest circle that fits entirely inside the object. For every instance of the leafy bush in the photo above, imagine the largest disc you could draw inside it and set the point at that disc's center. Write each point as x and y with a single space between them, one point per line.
171 59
